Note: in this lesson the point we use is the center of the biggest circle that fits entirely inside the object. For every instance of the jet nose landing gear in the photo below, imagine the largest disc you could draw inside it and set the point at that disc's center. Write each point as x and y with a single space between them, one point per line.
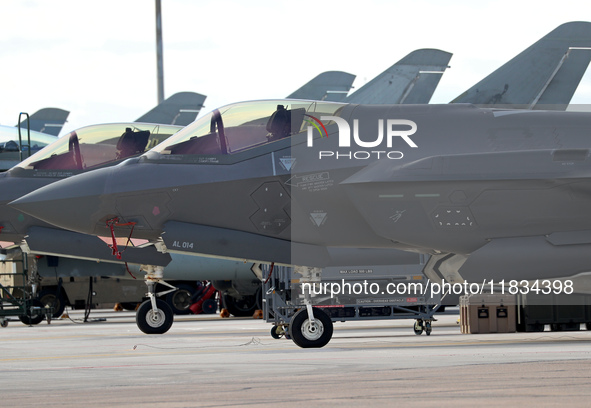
152 320
154 316
306 332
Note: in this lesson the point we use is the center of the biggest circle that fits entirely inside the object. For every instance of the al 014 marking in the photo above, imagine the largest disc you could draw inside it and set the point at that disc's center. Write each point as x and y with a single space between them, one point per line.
184 244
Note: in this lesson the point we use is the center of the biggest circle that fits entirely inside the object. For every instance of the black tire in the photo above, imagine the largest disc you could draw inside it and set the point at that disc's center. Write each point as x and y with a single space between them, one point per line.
418 327
154 323
50 298
4 323
34 318
274 333
241 307
180 300
307 335
209 306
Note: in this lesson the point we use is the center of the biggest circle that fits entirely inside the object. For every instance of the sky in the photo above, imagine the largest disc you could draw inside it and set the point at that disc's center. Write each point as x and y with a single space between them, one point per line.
97 59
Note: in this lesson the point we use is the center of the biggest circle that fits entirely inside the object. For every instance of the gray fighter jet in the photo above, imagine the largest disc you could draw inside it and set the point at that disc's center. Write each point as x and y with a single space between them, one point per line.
438 179
507 185
281 181
104 145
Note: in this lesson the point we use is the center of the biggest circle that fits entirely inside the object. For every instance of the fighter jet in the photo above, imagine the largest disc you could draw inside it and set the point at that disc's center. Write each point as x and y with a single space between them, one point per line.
435 178
281 181
102 145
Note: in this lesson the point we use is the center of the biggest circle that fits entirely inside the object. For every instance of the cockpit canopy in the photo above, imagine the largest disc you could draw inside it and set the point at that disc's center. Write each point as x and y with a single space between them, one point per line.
9 141
242 126
92 146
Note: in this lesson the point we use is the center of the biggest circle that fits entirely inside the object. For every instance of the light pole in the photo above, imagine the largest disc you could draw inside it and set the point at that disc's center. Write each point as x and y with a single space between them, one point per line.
160 64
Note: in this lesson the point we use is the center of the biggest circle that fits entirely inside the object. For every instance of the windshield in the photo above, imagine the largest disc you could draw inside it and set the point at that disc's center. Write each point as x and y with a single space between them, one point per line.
93 146
242 126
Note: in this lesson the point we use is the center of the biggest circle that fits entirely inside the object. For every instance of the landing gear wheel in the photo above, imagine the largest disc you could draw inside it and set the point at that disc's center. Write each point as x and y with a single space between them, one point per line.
307 334
50 298
277 332
209 306
428 328
241 307
36 316
151 322
418 327
180 300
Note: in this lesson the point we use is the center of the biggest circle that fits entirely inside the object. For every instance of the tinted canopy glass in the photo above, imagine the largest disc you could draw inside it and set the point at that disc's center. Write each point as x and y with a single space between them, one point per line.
97 145
9 141
242 126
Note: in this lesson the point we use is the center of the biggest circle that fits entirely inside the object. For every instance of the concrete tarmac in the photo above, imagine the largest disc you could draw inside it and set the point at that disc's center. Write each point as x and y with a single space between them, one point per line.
211 362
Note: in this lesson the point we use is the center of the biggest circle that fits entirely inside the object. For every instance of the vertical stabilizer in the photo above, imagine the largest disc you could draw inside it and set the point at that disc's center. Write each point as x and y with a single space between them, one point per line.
47 120
413 79
544 76
179 109
327 86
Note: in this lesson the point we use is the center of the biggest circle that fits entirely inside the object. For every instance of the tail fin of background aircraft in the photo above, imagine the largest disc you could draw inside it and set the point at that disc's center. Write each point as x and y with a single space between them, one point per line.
47 120
413 79
179 109
327 86
544 76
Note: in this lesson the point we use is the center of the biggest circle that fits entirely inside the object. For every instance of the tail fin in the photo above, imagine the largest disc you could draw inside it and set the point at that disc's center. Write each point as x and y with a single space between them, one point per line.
47 120
413 79
327 86
544 76
179 109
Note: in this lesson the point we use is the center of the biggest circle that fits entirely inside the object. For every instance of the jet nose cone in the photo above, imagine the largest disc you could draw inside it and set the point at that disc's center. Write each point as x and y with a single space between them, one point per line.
72 203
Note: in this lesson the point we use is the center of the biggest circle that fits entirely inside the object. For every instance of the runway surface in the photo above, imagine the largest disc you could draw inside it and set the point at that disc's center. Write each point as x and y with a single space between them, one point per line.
212 362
